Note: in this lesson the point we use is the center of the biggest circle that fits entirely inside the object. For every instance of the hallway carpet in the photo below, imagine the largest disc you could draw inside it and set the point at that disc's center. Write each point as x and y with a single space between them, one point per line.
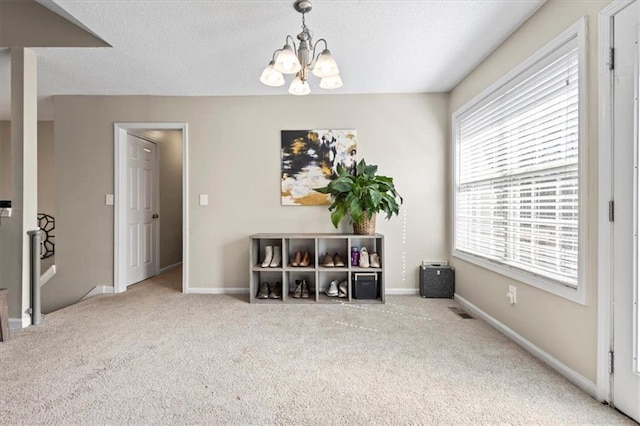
155 356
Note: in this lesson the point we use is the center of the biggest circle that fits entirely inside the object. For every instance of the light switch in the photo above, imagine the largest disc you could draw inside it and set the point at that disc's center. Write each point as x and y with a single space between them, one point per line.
109 200
204 200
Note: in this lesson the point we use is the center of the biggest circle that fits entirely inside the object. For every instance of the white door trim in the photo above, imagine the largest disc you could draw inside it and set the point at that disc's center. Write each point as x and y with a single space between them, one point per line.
120 190
605 194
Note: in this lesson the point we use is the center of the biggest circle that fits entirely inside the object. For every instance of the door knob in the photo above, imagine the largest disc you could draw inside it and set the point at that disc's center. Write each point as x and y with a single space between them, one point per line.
155 216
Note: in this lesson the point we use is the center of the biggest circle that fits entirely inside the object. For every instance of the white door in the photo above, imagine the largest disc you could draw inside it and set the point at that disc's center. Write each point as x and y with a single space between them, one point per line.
142 235
626 372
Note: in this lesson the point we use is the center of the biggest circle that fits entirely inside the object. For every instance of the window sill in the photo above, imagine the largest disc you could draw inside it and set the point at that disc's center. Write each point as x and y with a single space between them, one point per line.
545 284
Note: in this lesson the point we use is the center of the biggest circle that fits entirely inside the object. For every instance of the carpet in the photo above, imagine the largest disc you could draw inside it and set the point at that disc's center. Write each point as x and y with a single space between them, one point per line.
155 356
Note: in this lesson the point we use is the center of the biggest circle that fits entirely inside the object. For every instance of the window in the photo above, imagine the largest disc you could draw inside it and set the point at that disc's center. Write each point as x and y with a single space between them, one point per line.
518 150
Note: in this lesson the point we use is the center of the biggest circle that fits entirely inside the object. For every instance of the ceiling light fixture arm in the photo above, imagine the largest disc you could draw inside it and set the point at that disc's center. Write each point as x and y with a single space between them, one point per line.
315 45
293 42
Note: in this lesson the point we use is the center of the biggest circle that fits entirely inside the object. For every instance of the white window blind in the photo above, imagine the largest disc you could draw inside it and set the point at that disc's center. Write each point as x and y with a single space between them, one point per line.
516 194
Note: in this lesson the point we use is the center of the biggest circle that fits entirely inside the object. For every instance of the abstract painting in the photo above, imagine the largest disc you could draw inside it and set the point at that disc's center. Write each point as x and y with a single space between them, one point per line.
310 159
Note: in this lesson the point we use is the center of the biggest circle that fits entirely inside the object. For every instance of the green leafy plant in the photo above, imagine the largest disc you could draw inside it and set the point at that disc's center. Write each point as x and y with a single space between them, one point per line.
361 195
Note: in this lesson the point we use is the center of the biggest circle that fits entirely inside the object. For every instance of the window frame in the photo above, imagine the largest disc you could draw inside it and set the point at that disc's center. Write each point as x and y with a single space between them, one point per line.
577 31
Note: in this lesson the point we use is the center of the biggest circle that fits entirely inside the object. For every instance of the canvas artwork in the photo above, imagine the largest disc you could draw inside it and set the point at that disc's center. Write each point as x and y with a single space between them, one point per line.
310 159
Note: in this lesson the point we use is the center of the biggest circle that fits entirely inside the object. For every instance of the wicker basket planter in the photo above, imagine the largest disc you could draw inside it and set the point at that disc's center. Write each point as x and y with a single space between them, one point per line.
367 227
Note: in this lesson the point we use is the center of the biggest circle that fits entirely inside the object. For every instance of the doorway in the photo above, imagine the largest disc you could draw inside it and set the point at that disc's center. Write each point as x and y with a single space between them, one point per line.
150 197
618 240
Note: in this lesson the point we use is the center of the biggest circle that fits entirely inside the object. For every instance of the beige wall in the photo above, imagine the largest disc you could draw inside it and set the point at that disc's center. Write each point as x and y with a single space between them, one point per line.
170 165
564 329
46 175
46 172
5 160
46 201
234 156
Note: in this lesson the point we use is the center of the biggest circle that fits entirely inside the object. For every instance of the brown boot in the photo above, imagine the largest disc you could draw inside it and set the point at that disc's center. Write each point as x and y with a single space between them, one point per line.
297 258
306 259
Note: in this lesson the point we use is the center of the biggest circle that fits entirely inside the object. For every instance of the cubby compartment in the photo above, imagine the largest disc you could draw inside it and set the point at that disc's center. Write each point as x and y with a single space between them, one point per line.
272 278
302 246
373 245
324 282
317 276
293 278
333 247
259 252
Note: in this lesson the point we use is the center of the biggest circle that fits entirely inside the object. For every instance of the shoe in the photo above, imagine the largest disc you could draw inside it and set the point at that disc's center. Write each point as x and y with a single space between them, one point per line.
306 259
305 289
364 258
327 261
343 289
263 293
277 257
297 258
374 260
338 261
268 255
276 291
297 293
332 291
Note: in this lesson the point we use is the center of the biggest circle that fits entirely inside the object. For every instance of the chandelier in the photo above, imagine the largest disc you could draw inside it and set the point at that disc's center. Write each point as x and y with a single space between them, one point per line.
301 59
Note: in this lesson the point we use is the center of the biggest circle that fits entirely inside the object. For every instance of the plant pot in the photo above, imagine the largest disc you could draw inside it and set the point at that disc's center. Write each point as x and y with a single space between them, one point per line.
366 227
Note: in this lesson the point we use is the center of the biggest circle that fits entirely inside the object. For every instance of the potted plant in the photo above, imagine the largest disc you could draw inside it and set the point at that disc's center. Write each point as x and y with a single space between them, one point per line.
360 196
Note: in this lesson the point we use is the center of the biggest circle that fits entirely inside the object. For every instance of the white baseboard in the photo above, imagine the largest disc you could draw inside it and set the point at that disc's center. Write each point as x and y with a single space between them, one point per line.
400 291
573 376
48 274
98 290
170 267
217 290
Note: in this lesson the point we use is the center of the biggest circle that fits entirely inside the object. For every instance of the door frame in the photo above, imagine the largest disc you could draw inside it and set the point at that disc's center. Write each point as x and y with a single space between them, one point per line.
120 130
605 195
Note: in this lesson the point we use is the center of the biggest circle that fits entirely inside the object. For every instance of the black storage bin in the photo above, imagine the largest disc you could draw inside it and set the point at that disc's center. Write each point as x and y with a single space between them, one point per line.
365 285
437 281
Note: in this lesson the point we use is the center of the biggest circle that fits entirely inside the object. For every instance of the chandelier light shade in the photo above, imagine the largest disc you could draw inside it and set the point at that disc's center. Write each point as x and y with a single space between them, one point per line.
300 59
299 87
287 62
332 82
271 77
325 65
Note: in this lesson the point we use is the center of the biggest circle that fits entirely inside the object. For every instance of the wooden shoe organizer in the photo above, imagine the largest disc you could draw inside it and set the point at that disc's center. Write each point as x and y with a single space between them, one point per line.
318 276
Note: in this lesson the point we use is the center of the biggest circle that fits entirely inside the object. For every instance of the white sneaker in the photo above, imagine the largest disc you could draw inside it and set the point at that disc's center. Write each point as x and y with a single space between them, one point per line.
364 258
268 256
375 260
332 291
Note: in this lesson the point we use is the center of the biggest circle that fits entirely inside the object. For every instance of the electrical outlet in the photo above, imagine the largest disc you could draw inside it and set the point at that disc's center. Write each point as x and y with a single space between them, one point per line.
5 204
512 295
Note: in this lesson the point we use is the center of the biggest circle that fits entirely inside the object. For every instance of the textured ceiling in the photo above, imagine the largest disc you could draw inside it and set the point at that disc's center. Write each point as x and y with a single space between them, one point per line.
196 48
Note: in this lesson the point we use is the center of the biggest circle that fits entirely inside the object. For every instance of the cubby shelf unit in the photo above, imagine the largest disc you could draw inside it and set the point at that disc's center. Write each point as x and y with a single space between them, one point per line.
319 277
